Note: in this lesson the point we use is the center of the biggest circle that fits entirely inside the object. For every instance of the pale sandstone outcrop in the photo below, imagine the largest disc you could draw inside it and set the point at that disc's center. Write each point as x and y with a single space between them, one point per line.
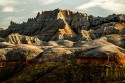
21 39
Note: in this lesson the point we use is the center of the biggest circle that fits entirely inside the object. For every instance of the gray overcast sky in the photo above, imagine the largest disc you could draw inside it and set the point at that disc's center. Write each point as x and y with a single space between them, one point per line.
21 10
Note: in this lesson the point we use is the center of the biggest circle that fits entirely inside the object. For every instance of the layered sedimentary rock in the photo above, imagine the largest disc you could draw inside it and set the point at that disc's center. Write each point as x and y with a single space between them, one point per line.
60 30
60 43
20 52
21 39
84 36
64 46
94 52
102 52
61 35
65 24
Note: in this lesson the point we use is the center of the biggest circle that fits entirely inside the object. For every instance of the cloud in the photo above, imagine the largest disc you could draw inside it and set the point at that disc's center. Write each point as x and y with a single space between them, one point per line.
7 2
47 2
114 6
12 5
87 5
8 9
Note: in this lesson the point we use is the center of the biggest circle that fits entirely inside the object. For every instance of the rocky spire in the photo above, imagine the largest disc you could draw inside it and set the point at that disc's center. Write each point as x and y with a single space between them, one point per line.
38 14
12 23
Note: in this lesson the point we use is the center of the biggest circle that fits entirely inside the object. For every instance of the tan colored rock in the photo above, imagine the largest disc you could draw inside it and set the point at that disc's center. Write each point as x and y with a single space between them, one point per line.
66 43
64 32
20 52
84 36
93 52
108 54
21 39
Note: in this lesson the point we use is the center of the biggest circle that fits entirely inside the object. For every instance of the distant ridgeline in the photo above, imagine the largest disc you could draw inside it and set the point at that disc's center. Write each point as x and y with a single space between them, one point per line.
65 24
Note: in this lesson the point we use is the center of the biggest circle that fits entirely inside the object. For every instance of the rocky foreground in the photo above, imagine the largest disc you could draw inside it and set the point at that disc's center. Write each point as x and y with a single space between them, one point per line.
67 41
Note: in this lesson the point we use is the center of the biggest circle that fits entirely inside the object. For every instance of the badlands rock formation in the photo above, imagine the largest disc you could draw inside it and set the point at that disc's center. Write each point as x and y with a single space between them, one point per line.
65 24
20 52
21 39
61 35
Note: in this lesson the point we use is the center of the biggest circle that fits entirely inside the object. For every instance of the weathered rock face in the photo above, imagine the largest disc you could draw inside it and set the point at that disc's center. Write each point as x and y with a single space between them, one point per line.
20 52
107 29
60 30
21 39
101 52
66 35
93 52
1 31
76 20
60 43
84 36
115 39
107 54
64 24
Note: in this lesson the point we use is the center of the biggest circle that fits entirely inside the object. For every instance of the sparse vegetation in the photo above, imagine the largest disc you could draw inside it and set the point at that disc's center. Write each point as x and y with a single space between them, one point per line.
61 72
